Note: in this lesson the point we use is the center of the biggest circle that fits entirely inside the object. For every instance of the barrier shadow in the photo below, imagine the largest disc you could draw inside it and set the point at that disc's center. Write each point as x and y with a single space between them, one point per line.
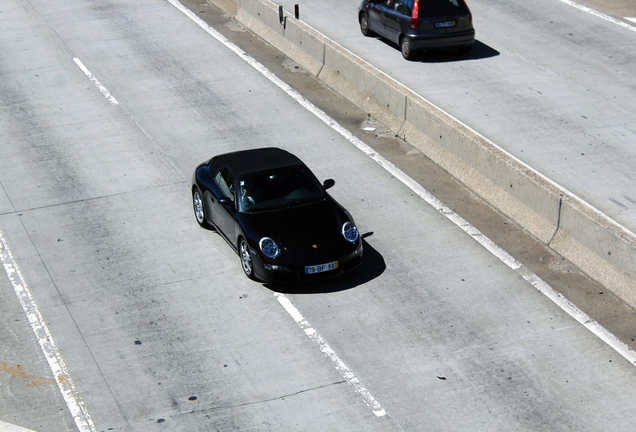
372 266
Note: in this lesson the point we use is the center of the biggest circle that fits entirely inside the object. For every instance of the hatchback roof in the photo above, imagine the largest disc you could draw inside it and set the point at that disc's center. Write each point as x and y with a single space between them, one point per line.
256 160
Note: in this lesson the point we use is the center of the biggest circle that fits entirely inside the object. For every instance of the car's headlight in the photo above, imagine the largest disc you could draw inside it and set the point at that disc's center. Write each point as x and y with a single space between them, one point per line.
350 232
269 247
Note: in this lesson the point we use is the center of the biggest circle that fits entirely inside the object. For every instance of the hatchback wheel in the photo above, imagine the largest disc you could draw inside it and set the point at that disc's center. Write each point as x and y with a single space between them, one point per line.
405 47
364 25
246 259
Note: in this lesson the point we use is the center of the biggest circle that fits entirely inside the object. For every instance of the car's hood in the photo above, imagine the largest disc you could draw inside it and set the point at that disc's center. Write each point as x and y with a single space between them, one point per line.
304 229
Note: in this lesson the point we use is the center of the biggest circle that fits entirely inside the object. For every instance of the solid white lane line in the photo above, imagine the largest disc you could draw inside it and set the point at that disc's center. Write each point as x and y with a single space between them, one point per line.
631 19
506 258
581 317
599 14
330 353
99 85
51 352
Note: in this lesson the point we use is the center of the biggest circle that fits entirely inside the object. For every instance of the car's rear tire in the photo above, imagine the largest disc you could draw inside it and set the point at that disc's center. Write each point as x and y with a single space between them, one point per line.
246 259
199 208
406 48
364 25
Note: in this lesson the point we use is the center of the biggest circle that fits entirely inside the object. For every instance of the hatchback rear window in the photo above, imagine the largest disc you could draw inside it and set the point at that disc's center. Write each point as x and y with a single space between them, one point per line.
436 8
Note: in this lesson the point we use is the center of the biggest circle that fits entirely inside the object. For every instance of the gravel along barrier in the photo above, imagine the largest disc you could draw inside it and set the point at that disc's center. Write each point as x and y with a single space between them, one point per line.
597 245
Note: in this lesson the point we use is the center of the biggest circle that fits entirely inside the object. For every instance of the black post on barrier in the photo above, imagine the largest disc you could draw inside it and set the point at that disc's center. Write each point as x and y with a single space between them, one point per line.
296 12
280 13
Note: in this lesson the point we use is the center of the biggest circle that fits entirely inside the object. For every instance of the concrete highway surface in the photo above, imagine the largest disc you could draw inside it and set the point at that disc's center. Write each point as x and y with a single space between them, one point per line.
119 313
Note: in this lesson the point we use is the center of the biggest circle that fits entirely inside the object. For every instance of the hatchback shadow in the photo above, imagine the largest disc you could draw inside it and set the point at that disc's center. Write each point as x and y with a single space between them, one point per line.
446 55
372 266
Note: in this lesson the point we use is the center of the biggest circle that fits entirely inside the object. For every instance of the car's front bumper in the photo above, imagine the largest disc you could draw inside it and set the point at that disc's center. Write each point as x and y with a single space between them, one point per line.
295 272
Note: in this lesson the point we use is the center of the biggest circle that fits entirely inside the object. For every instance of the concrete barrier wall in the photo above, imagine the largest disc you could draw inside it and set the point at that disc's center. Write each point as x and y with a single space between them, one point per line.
601 248
357 81
488 171
293 38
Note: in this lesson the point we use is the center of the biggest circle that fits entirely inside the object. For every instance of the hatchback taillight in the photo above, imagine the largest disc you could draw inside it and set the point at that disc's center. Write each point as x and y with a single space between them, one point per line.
415 21
470 15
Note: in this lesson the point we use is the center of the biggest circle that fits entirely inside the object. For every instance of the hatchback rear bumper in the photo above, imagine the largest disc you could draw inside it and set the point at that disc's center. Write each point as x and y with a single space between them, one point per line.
424 42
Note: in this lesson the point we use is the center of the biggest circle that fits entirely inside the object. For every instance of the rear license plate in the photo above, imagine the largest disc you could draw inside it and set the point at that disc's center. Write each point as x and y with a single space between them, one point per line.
321 268
445 24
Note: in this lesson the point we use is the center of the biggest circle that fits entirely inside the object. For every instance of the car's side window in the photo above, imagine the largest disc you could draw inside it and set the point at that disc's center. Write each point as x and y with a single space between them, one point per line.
397 5
225 179
402 6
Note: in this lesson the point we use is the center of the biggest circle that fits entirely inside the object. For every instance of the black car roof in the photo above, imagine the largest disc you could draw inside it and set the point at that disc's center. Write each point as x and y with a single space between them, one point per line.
256 160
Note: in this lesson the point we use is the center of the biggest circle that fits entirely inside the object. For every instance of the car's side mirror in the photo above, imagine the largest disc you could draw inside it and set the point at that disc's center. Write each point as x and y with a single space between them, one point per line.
225 201
328 183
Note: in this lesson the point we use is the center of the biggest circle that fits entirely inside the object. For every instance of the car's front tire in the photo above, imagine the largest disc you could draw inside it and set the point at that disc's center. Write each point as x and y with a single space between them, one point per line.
199 208
246 259
406 48
364 25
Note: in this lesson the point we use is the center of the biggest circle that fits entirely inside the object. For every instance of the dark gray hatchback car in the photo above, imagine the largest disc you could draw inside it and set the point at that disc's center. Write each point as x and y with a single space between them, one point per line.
417 25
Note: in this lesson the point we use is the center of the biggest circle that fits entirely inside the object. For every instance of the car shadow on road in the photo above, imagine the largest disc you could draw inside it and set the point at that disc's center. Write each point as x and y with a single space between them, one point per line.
372 266
480 51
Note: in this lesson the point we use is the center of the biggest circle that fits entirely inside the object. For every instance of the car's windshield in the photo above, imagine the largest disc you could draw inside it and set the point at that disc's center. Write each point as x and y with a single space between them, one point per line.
278 189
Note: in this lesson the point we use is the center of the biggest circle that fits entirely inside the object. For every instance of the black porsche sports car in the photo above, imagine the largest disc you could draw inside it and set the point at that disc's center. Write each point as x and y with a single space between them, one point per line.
276 215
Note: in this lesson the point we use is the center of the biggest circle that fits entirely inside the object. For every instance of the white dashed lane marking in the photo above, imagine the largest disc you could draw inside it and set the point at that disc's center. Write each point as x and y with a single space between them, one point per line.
331 354
99 85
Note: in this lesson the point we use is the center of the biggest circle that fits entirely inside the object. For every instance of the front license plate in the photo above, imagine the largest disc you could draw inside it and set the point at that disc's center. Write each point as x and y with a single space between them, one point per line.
321 268
445 24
